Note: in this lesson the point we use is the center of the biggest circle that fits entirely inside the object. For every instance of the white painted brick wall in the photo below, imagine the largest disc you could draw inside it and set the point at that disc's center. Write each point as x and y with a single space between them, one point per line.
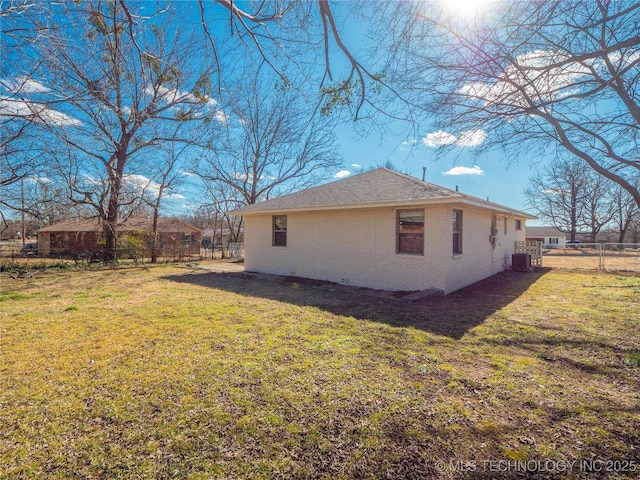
358 247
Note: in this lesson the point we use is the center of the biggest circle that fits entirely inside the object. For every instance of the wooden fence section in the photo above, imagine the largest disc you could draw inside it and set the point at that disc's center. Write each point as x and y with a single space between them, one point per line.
534 249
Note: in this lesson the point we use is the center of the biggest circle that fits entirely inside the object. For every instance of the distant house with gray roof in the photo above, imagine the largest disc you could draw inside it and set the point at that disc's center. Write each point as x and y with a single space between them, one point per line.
382 229
550 237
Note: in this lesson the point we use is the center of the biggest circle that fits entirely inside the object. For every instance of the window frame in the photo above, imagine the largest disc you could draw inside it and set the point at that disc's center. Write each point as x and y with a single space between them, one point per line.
413 235
518 224
275 230
456 237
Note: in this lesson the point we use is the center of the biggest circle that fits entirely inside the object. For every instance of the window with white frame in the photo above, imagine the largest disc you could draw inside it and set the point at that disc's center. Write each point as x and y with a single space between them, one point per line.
279 225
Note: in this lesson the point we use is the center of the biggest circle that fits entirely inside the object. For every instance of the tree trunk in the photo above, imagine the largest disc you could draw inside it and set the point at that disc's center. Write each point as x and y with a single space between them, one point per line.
111 226
113 208
155 240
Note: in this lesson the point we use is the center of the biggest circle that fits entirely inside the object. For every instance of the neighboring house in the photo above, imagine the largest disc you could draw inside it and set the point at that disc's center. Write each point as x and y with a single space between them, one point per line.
222 239
550 237
220 236
382 229
86 236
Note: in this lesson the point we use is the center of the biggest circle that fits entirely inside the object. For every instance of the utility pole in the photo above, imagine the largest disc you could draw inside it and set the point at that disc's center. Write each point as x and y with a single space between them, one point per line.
24 230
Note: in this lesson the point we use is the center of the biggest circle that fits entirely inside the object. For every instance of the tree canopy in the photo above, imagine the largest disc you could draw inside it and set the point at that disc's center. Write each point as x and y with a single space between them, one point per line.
527 77
95 88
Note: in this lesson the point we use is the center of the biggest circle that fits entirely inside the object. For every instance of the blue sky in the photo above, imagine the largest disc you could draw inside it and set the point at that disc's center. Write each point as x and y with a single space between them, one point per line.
487 176
493 175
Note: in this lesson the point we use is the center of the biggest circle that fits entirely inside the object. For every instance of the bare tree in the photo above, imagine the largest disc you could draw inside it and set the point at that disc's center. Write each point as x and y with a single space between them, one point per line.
290 35
41 199
600 209
123 83
163 184
276 142
626 212
212 217
224 198
572 197
530 77
22 150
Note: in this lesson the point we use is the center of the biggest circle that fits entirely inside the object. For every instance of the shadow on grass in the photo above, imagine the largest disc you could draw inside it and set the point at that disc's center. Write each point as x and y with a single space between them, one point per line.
451 315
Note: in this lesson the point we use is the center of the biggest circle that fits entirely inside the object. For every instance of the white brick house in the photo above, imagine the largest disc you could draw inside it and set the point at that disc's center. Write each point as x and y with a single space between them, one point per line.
550 237
382 229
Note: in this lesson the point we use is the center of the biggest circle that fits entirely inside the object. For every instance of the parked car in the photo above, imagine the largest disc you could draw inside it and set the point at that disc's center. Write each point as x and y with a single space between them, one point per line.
29 250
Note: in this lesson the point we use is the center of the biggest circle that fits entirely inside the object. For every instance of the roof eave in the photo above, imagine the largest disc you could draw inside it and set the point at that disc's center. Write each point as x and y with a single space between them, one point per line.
494 207
460 200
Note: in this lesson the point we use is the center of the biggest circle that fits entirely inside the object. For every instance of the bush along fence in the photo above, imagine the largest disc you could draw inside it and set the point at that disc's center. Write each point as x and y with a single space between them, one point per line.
127 251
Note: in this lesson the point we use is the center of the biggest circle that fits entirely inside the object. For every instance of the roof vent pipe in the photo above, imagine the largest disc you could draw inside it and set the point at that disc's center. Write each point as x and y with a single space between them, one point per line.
424 173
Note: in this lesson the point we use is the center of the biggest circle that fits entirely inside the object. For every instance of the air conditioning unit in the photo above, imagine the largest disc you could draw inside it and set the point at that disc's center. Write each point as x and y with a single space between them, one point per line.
521 262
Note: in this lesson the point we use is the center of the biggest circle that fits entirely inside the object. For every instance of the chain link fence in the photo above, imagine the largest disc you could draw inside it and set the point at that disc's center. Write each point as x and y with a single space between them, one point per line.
15 251
614 257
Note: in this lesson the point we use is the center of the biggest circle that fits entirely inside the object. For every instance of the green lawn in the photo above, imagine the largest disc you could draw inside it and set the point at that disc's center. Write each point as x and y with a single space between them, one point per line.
171 372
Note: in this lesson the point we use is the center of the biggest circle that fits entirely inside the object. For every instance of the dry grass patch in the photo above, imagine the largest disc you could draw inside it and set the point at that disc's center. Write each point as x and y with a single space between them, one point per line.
170 372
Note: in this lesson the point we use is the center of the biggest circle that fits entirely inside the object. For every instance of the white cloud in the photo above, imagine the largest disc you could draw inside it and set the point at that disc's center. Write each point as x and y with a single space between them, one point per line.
539 76
221 117
471 138
36 112
143 183
29 85
342 174
177 196
191 206
40 180
475 170
357 166
468 138
53 117
92 181
439 138
175 95
24 85
137 180
244 177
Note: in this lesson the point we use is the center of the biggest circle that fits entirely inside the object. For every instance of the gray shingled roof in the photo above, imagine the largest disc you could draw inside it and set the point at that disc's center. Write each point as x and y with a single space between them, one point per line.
545 232
379 187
